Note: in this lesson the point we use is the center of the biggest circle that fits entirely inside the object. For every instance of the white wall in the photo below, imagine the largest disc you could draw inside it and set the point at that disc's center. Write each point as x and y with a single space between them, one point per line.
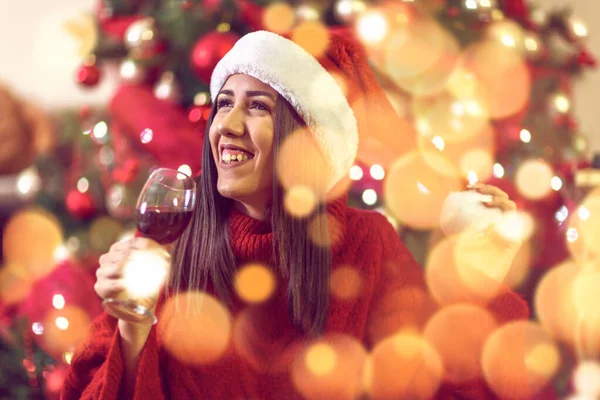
38 58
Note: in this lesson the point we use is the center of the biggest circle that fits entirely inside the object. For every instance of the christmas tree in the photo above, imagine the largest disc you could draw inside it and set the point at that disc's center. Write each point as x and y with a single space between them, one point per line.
483 87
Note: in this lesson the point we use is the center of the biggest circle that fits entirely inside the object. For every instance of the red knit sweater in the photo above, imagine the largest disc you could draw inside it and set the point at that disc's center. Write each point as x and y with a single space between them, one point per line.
362 239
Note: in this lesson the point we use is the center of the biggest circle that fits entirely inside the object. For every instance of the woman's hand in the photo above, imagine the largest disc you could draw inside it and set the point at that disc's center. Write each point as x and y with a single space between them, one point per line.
110 281
499 198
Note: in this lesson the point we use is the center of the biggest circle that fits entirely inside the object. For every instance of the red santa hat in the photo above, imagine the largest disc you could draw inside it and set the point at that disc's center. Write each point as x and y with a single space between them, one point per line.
339 118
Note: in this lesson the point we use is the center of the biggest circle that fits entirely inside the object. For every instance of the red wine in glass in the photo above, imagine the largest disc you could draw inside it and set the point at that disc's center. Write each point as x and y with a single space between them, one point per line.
162 224
164 210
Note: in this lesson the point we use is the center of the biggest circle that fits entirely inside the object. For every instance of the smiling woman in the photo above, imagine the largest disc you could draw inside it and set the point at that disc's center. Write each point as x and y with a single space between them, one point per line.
263 302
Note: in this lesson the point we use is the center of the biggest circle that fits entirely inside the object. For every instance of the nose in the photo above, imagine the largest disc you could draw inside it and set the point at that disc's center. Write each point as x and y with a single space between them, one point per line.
232 123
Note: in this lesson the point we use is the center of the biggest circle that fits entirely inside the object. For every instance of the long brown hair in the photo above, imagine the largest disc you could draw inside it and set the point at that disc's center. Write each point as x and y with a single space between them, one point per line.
203 252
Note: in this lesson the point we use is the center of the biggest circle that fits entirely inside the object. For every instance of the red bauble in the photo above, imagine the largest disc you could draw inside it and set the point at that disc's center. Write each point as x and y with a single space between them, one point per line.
88 75
80 205
209 50
199 114
585 58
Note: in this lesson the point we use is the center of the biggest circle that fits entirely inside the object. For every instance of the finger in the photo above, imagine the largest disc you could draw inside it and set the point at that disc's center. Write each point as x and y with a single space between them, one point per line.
490 189
114 256
501 203
120 245
142 243
110 271
111 289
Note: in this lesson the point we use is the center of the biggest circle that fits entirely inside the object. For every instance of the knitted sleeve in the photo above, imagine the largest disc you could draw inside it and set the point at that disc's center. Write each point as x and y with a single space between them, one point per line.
97 366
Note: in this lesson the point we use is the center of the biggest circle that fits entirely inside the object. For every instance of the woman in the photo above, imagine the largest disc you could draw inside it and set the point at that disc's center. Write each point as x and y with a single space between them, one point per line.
262 96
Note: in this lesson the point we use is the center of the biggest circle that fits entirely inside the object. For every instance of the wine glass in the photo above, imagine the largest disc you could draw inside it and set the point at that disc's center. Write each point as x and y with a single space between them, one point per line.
164 209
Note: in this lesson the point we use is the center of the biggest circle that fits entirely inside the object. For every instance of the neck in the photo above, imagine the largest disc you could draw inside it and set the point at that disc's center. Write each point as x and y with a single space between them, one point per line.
254 210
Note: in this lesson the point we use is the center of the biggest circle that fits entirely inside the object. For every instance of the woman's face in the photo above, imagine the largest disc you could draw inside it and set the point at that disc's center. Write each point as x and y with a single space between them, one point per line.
241 140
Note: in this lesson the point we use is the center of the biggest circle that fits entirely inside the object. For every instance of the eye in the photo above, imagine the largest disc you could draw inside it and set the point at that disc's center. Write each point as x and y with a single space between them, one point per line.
223 103
260 106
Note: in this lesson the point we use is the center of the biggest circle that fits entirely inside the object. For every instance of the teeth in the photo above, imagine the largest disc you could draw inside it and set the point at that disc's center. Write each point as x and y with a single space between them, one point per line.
228 157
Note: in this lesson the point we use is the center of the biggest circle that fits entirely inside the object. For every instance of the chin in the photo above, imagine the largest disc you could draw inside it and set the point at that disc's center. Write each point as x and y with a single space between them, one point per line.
233 191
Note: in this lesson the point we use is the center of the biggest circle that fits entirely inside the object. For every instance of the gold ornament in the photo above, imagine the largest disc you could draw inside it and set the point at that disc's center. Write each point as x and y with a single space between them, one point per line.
346 11
142 35
83 29
167 88
308 12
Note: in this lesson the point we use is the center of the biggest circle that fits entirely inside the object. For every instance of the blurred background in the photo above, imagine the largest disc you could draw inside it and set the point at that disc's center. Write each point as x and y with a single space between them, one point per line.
95 94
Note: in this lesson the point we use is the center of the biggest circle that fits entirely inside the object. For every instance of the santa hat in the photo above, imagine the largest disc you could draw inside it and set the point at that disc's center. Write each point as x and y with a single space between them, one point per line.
337 118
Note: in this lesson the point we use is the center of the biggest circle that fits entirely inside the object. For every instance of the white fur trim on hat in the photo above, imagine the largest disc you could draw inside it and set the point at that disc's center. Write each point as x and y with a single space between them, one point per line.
305 84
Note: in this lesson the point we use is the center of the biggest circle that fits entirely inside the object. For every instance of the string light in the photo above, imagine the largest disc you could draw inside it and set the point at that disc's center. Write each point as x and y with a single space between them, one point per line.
83 185
37 328
377 172
62 323
572 235
498 170
583 213
372 27
100 130
356 173
556 183
562 214
146 136
185 170
525 136
58 301
439 143
369 197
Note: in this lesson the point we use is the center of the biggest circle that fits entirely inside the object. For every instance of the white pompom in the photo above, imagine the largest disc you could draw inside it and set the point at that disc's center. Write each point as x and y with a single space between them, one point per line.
465 210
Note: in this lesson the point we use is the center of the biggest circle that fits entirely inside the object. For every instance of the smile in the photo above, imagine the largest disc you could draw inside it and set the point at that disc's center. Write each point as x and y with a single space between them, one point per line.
234 155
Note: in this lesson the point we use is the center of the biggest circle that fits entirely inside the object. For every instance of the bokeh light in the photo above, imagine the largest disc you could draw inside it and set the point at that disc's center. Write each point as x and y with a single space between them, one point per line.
585 232
300 163
103 232
300 201
356 173
278 17
324 230
313 37
515 226
450 118
64 329
586 379
414 47
369 197
445 282
331 368
414 193
30 239
519 359
372 27
458 334
554 302
145 271
473 154
195 328
58 301
534 179
405 309
254 283
15 284
483 261
586 293
509 33
503 77
434 79
377 172
405 366
345 283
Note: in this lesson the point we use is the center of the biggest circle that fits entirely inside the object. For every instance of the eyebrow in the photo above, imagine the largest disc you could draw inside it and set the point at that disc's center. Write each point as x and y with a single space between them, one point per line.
249 93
